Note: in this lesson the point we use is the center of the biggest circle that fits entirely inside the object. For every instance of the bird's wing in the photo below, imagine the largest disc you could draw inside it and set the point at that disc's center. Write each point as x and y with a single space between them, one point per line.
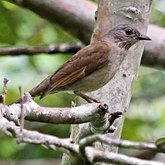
83 63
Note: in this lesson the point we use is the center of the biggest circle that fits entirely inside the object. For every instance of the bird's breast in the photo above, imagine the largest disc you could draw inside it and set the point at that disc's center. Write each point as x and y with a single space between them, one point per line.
93 81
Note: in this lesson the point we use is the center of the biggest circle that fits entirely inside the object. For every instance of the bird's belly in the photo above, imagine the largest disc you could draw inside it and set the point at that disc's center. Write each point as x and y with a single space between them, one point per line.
93 81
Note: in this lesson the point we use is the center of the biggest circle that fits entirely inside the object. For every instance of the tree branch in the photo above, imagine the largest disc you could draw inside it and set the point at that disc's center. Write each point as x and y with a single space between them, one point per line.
35 137
68 146
94 155
77 17
74 115
154 52
87 141
49 49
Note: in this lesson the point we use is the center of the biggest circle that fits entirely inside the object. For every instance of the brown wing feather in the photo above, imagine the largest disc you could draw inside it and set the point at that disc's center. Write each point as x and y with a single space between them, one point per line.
69 78
86 61
83 63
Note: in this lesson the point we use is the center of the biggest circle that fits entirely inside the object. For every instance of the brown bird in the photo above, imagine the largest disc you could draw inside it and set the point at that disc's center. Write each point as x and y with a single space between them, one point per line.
93 66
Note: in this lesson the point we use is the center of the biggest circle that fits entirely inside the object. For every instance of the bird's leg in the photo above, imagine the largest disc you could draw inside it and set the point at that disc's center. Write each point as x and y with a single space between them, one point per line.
86 97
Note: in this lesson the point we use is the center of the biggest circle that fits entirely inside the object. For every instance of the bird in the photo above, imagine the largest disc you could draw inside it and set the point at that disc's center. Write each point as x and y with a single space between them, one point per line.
93 66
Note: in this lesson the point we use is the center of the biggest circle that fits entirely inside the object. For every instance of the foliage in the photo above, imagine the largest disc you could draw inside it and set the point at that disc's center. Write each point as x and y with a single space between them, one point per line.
20 27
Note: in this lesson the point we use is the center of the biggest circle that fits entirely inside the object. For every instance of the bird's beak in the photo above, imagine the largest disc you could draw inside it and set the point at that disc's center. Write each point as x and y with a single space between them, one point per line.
143 37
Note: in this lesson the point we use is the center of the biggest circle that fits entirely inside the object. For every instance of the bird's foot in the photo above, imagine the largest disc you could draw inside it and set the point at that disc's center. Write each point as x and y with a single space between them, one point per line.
86 97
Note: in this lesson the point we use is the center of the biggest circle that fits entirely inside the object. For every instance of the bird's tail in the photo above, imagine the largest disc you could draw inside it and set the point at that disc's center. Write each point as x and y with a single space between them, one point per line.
39 90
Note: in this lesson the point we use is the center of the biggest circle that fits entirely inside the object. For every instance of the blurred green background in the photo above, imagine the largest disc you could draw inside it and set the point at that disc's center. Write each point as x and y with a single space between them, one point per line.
20 27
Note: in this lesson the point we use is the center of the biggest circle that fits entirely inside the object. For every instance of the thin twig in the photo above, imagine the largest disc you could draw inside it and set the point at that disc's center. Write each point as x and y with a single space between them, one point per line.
5 81
68 146
22 113
35 137
95 156
111 118
49 49
4 91
120 143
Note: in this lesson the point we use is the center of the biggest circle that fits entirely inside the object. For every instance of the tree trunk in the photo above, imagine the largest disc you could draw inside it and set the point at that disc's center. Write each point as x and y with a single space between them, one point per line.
117 93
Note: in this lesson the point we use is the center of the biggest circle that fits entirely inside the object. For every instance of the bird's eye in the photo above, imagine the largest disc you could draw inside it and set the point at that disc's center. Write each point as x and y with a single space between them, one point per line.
129 32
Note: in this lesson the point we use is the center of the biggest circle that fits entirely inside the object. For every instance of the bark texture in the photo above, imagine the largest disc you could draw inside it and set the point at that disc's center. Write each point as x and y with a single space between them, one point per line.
117 93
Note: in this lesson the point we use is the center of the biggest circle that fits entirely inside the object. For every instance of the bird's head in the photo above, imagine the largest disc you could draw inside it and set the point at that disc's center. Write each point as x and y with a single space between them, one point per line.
125 36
